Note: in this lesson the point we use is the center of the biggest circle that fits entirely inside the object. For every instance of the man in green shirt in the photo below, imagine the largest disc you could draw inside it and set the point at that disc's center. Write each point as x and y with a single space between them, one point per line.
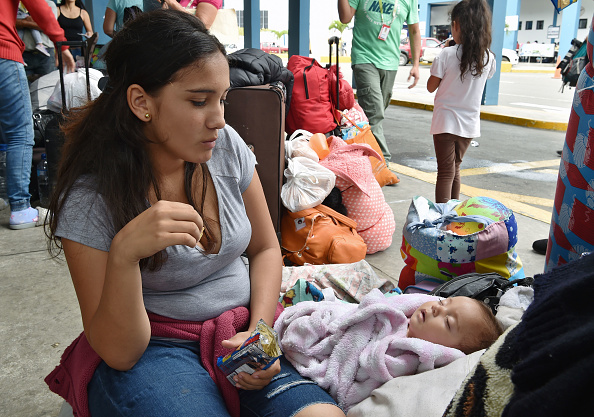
375 54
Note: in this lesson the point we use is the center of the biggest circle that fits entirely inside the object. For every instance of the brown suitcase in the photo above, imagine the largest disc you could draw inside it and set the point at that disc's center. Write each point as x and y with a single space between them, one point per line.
257 113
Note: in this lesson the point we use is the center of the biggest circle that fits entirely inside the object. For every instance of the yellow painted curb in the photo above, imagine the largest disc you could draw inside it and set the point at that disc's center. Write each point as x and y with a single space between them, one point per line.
411 104
510 201
548 71
519 166
506 67
341 59
510 120
520 121
515 202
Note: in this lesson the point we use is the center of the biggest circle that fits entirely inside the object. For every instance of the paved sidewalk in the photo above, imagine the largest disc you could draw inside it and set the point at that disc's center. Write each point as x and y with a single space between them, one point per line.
419 98
39 314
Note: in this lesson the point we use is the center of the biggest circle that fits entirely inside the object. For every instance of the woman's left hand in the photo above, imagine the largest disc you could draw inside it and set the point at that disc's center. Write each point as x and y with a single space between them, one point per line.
258 379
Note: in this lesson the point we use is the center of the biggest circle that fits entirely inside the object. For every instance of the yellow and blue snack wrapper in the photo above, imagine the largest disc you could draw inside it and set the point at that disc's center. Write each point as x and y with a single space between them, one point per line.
259 351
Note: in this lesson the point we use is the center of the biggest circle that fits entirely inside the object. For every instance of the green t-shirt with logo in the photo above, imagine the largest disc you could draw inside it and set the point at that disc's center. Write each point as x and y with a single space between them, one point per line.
367 48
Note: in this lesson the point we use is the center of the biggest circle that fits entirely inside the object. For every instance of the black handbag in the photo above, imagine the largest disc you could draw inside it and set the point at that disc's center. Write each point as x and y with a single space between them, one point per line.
41 119
487 287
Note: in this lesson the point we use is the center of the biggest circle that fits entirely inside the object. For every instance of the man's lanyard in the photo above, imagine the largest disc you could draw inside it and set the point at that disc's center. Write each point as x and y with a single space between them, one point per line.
382 12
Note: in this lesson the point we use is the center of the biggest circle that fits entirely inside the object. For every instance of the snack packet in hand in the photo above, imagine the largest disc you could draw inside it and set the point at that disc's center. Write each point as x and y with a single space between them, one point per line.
259 351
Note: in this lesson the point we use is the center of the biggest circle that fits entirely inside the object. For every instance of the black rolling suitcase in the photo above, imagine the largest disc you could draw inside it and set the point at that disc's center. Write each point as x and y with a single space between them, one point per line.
257 113
51 133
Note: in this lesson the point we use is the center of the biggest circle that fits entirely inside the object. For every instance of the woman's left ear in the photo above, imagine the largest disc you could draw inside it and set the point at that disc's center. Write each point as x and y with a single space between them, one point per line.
139 102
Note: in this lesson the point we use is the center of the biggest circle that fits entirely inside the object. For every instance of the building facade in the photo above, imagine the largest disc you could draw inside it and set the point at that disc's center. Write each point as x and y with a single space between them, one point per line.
533 21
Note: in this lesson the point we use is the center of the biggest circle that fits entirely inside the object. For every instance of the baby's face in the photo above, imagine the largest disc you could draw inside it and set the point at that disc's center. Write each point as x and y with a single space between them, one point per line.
447 322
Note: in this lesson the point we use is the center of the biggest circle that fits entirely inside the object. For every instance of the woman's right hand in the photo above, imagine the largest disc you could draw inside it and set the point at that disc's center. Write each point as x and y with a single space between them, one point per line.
164 224
109 284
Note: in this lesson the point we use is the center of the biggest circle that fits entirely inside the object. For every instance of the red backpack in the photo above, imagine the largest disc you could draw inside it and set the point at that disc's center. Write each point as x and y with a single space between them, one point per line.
312 103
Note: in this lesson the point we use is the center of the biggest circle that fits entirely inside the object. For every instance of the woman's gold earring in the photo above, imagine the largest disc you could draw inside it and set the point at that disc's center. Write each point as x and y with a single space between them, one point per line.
147 116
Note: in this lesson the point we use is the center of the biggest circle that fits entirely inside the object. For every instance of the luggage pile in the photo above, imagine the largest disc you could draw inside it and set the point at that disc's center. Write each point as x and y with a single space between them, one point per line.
441 241
334 209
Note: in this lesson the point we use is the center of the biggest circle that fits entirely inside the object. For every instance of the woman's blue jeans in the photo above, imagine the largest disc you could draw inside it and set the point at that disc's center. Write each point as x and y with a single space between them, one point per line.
169 381
16 126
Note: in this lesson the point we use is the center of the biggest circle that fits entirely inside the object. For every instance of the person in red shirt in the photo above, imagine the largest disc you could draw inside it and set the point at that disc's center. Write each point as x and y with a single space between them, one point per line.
16 122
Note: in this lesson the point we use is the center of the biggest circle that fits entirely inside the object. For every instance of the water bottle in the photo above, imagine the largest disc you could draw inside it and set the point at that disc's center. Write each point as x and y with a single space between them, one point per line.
3 188
43 181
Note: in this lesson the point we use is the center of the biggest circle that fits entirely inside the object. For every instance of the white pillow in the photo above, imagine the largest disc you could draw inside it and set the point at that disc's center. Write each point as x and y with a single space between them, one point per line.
424 395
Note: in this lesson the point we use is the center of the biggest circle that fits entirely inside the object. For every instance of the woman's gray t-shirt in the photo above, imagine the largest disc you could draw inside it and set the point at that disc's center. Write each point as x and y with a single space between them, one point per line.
191 285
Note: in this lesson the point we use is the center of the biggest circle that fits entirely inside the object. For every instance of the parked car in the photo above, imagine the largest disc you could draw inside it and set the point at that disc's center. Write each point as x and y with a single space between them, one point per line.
509 55
429 54
405 53
273 48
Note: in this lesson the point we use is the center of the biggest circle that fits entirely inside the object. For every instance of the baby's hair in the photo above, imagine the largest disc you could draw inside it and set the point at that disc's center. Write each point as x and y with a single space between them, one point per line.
474 20
484 336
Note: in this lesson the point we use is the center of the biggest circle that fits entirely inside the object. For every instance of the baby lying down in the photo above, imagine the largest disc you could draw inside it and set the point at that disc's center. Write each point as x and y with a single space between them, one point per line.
351 349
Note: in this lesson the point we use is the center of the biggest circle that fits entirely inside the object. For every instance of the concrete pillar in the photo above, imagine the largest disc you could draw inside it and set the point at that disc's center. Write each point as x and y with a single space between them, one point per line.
96 10
251 24
299 27
511 36
554 21
425 16
491 95
569 27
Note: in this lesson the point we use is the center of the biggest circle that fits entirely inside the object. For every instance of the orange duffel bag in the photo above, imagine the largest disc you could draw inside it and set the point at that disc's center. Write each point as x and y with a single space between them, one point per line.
320 235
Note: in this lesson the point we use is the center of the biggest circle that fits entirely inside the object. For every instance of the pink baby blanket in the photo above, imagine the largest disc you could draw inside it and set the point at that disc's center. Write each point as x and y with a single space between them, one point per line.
352 349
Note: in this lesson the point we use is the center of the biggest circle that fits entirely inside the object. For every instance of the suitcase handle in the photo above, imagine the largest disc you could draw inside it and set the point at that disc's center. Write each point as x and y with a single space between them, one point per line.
86 47
331 41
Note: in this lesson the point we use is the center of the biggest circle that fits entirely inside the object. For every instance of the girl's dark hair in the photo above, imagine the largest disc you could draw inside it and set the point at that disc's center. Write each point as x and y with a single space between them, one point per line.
474 20
105 140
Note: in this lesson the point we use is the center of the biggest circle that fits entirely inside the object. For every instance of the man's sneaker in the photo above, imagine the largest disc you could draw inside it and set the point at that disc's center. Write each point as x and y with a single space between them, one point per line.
42 49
